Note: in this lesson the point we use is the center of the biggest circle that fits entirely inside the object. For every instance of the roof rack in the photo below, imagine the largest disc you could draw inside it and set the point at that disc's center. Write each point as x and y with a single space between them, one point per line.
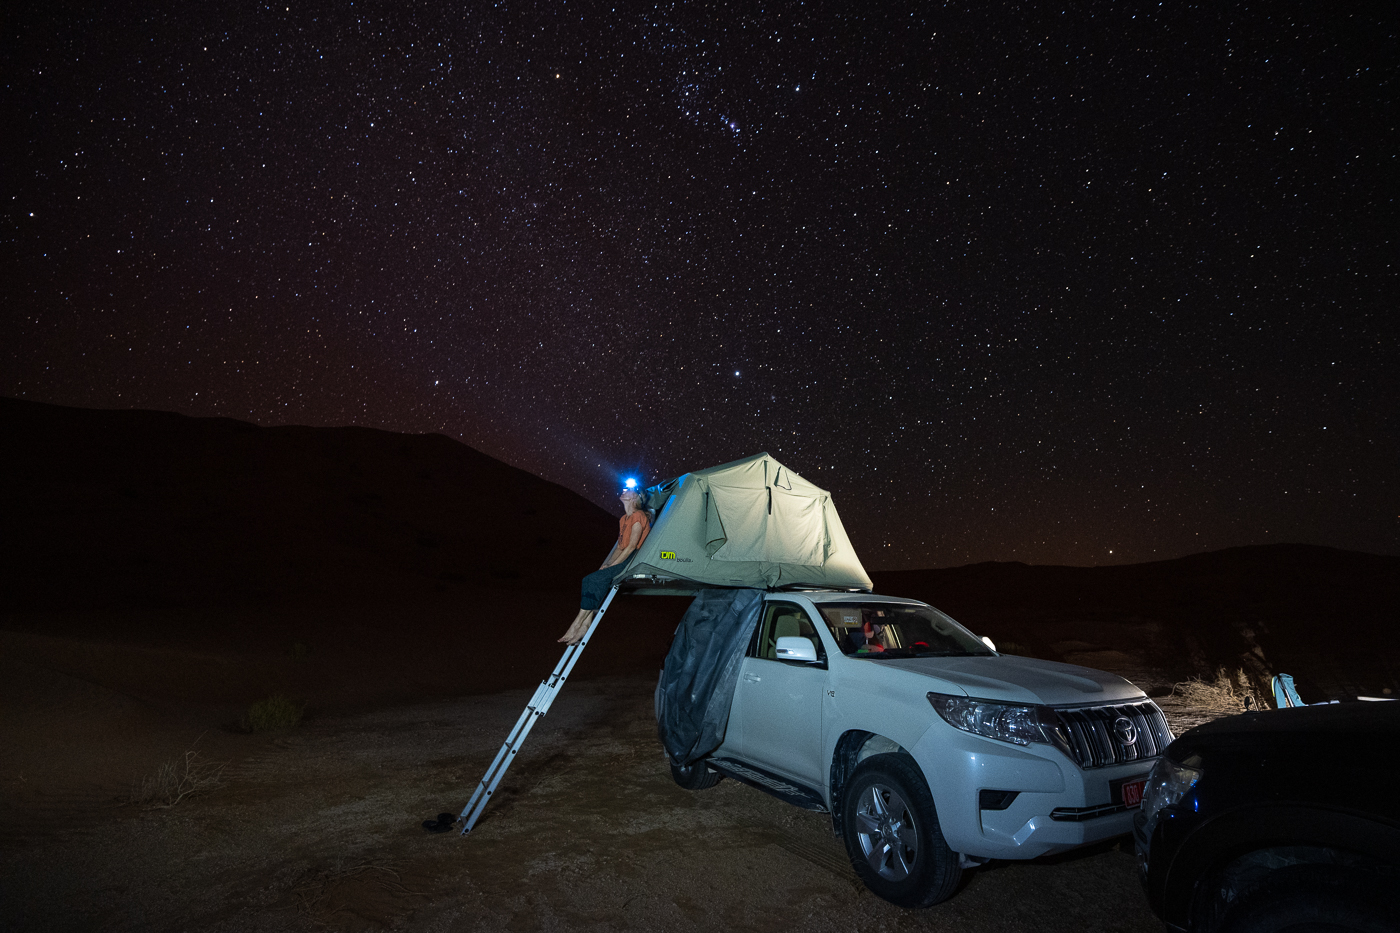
651 584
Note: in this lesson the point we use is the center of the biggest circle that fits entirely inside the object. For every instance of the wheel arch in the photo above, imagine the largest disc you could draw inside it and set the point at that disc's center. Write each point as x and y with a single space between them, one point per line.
1231 844
853 747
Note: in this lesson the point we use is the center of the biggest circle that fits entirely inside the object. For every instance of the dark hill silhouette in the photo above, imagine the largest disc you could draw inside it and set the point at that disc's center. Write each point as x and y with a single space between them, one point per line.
211 559
392 565
1330 617
148 508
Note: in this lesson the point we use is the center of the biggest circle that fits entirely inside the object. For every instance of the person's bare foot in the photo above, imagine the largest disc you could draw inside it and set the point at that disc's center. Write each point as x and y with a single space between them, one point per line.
576 631
580 628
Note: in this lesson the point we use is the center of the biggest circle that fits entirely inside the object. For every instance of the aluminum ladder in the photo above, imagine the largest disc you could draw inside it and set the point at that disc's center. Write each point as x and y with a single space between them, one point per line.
539 704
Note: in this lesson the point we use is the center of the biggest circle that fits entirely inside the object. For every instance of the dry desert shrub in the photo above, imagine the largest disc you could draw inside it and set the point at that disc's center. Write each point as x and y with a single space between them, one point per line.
177 779
276 712
1225 694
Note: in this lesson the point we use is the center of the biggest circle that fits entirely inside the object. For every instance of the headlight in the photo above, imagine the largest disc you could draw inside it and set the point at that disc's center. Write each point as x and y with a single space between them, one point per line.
1008 722
1166 785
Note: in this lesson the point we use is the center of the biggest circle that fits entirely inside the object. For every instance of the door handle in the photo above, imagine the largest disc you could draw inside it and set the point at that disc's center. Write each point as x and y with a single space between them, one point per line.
752 678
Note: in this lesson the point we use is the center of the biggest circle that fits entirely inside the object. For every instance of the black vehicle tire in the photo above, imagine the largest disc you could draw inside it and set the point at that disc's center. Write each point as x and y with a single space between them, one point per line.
892 834
695 776
1313 899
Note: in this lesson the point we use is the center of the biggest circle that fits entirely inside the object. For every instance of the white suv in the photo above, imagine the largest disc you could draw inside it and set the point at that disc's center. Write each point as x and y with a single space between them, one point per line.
932 752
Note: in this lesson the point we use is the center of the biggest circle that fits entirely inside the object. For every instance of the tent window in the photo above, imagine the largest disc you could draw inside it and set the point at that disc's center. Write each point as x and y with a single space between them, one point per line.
797 532
768 525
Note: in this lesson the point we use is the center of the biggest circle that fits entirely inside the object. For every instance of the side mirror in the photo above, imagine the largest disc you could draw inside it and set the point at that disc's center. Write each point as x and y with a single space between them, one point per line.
988 642
796 648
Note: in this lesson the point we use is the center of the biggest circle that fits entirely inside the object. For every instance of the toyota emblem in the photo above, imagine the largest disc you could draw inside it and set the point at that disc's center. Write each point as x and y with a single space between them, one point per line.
1125 730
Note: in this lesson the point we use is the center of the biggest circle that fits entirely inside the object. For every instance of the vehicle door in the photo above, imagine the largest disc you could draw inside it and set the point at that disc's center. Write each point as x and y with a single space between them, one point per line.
780 702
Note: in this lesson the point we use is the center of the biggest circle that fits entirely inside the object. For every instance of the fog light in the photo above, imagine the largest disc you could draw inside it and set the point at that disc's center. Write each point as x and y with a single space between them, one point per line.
996 799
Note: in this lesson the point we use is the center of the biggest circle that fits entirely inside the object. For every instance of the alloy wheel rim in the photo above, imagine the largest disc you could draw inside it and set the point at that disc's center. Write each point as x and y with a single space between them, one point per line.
886 833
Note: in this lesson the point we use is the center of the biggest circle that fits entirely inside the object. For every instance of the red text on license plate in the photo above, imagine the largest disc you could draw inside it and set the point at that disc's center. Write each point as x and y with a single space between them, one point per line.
1132 793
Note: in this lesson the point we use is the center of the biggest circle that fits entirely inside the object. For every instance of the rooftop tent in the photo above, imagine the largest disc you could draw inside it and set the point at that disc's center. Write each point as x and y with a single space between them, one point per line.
751 523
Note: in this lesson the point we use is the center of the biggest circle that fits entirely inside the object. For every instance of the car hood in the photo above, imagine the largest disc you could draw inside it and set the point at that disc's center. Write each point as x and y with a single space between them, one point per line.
1375 726
1013 679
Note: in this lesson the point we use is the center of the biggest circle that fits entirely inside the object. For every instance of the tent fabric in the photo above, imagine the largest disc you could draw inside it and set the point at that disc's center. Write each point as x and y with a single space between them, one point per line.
750 523
701 670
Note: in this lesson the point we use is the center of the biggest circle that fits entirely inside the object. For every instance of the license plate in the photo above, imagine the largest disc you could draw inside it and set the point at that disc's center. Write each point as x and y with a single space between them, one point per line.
1130 792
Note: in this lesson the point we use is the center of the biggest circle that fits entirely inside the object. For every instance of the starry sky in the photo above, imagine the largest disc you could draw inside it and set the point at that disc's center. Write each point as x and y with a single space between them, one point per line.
1086 284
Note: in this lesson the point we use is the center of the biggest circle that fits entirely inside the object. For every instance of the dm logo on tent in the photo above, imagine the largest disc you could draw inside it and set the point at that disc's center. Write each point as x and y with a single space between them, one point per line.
668 555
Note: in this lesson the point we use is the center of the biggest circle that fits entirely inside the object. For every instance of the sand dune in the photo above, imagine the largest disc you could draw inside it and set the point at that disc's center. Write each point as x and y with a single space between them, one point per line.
139 508
212 561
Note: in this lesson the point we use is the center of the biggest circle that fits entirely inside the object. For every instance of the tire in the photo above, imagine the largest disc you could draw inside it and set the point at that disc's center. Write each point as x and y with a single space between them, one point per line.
1314 899
892 834
695 776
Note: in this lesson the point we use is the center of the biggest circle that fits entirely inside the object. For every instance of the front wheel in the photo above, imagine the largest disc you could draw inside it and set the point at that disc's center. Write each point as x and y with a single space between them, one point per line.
892 834
694 776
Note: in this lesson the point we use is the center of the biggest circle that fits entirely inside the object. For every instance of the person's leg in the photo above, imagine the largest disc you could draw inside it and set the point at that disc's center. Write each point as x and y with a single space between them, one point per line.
593 593
580 625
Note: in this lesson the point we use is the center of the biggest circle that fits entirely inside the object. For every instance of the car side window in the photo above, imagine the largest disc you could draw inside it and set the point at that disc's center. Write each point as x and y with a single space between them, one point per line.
783 620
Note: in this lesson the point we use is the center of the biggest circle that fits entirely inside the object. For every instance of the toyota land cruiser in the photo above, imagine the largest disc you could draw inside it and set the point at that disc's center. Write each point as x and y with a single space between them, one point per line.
931 751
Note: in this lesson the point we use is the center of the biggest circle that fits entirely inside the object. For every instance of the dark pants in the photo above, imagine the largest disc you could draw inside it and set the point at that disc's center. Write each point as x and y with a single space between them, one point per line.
596 586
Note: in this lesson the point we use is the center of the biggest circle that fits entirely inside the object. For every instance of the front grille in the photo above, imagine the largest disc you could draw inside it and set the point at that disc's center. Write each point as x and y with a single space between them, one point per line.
1094 743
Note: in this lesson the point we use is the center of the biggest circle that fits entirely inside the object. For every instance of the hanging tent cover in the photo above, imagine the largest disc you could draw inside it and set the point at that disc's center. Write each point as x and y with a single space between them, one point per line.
750 523
696 687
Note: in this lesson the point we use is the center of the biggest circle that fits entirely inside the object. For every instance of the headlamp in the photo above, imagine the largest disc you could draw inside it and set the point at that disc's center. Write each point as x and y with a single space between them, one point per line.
1167 785
1008 722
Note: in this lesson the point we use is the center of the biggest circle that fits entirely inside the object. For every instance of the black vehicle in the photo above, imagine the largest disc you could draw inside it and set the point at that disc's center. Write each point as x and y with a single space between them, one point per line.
1277 820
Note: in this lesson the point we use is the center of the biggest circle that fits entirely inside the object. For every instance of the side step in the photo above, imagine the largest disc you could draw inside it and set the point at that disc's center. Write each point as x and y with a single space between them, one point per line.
769 783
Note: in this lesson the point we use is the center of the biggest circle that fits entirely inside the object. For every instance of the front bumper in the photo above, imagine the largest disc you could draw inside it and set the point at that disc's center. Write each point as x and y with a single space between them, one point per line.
1059 805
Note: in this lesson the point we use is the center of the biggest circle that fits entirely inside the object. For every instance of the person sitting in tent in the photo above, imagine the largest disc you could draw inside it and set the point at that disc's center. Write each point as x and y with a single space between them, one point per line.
632 530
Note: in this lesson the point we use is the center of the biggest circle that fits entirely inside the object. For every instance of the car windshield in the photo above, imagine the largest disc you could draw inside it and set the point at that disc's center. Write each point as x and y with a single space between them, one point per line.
898 630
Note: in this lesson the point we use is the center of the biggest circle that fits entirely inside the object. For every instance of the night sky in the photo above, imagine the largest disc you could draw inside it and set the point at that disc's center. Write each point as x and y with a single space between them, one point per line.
1094 284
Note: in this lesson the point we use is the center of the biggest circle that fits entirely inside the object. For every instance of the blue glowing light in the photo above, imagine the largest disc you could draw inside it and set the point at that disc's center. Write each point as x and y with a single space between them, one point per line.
631 483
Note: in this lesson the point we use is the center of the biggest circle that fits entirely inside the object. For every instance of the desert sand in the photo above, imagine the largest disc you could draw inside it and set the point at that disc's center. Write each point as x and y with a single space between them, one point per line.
318 828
